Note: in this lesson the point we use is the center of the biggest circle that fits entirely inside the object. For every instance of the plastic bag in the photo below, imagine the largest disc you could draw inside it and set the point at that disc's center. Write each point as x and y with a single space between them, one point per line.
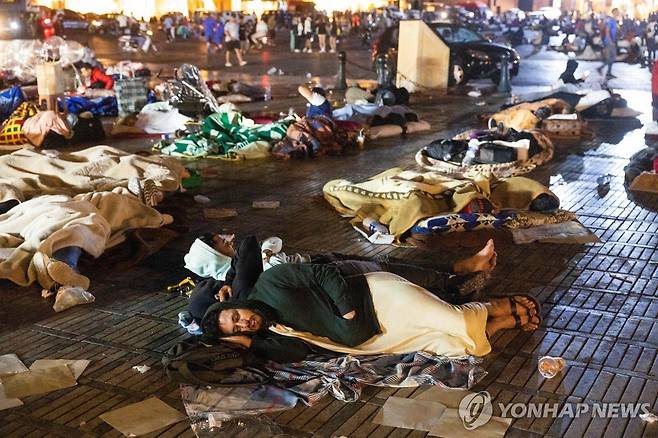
68 296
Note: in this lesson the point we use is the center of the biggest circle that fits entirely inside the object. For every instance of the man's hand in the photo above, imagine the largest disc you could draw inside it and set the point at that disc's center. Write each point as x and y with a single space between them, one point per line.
224 293
350 315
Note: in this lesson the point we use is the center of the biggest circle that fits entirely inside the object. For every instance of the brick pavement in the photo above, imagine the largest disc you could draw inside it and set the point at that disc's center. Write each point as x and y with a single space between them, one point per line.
599 301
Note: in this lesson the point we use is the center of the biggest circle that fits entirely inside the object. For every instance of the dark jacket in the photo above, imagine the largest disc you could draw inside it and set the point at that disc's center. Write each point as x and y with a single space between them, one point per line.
310 298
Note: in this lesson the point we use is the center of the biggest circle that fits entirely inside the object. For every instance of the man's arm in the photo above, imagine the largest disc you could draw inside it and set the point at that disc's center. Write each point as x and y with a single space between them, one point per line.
281 349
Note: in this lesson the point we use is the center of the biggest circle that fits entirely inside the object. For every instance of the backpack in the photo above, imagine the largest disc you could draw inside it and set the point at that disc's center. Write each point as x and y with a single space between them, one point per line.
193 362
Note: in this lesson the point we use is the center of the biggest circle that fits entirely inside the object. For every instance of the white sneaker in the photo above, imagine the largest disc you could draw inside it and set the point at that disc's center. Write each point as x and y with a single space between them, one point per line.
332 51
322 51
228 64
297 50
243 63
310 50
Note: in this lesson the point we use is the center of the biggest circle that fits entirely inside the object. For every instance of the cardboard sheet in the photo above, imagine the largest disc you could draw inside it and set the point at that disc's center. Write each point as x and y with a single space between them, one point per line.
141 418
450 426
34 382
409 413
77 367
446 396
9 364
566 232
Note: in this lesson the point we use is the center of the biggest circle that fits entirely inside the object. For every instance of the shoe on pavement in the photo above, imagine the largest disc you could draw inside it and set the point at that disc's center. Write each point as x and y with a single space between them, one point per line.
297 50
228 64
610 76
65 275
243 63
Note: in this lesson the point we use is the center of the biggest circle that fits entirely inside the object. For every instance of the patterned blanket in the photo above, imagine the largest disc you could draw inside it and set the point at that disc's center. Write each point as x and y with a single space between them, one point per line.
225 135
309 381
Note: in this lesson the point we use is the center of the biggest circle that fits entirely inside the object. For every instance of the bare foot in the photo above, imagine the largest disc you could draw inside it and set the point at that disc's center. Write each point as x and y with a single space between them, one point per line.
502 307
485 260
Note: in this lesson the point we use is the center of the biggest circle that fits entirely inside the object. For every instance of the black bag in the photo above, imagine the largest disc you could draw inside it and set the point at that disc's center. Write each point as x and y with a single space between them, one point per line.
193 362
88 130
446 150
491 153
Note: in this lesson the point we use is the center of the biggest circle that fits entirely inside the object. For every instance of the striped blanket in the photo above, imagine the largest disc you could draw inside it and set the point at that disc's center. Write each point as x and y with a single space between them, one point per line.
309 381
225 135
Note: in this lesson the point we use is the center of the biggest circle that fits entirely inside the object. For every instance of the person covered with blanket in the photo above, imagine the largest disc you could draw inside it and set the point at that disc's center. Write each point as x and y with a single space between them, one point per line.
295 310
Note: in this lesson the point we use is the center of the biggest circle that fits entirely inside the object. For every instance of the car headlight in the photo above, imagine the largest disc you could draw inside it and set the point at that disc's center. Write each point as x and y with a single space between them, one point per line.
14 25
480 56
96 23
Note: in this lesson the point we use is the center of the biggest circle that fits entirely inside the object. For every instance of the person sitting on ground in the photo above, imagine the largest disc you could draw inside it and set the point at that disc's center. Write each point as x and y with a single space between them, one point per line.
296 309
231 274
318 103
568 75
94 77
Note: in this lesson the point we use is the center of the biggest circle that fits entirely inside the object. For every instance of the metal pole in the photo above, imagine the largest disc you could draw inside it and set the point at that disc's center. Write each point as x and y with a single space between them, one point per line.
341 83
380 68
504 86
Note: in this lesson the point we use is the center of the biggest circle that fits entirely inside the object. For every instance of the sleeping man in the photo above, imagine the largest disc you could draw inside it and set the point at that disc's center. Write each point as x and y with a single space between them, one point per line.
295 310
231 274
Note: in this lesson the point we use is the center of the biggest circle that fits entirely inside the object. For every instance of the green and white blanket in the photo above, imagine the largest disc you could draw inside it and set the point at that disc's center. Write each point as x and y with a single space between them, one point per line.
228 135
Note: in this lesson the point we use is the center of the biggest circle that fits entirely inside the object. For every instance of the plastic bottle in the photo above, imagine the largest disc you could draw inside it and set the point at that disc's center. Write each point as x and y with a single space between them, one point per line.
373 225
473 146
549 366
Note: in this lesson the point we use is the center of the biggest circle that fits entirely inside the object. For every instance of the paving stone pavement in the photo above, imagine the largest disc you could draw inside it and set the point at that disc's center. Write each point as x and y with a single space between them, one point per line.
600 303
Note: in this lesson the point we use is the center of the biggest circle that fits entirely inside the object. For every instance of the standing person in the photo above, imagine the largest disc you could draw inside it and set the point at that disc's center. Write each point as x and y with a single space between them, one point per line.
271 29
169 29
218 34
322 33
610 30
334 30
652 34
209 24
232 39
301 37
243 33
122 22
308 34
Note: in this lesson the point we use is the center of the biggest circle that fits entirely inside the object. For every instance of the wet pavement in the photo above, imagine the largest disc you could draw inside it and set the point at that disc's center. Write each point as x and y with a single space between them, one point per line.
600 301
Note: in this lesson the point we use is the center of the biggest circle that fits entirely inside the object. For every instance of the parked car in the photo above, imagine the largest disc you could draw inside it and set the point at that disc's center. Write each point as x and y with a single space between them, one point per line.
71 20
13 24
101 24
471 56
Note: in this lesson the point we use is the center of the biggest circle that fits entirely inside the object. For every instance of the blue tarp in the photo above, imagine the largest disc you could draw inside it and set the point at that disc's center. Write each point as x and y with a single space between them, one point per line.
100 106
10 99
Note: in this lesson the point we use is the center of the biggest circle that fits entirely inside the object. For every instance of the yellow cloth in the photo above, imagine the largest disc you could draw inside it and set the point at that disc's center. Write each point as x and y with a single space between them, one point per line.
28 173
412 319
522 117
399 199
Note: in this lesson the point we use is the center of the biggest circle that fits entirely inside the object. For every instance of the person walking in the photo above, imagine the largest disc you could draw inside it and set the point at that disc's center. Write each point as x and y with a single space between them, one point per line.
610 30
308 34
232 39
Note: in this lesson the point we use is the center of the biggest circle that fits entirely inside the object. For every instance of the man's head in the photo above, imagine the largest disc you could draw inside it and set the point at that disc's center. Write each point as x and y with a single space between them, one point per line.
615 13
85 69
230 319
222 243
210 255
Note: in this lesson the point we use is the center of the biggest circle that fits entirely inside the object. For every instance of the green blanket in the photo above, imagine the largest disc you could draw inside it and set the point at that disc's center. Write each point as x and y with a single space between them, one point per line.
225 135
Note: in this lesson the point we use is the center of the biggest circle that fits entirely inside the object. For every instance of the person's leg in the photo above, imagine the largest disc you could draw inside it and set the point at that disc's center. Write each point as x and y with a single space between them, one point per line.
612 56
69 255
248 267
238 54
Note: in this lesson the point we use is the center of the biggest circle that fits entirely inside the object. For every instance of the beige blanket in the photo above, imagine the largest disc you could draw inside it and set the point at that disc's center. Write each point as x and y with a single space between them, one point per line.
399 199
28 173
91 221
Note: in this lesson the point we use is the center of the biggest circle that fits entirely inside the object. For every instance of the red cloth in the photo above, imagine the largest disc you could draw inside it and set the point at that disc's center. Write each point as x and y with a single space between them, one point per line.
654 79
97 75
